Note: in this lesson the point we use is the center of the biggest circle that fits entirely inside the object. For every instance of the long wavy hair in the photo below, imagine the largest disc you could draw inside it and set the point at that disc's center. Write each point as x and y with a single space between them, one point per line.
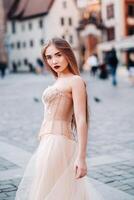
64 47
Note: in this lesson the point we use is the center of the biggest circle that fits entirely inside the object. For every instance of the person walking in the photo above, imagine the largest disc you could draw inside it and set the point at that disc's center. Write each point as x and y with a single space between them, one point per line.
58 169
130 67
113 63
93 63
3 67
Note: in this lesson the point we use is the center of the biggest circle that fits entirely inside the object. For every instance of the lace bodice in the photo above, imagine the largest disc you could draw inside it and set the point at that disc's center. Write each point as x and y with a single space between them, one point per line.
58 112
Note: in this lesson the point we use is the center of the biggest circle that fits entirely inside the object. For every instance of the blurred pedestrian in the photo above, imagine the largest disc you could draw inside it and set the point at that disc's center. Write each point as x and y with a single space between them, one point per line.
14 67
112 61
31 67
40 66
93 63
103 71
3 67
131 68
82 57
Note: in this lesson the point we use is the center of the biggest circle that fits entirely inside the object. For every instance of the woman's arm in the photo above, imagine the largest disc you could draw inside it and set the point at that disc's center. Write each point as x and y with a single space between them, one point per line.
79 100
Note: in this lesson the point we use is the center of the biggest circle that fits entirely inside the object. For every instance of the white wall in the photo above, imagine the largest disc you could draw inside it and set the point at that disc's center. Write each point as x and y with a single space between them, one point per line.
53 23
52 27
117 21
35 34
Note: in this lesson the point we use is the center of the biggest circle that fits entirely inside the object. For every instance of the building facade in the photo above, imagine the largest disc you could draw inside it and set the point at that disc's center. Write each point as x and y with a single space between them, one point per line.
118 18
32 23
107 24
3 53
90 26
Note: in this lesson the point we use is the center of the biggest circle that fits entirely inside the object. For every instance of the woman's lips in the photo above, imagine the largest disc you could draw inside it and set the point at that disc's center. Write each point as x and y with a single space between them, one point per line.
56 66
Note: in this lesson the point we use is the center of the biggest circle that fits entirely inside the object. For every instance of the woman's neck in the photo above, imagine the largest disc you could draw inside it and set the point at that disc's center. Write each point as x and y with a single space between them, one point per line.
65 73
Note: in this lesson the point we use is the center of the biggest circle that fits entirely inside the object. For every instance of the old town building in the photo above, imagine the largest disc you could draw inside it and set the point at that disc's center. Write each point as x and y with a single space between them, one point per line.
31 23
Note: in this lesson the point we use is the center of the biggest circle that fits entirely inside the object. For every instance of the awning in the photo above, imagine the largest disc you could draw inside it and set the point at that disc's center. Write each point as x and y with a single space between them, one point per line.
124 44
90 29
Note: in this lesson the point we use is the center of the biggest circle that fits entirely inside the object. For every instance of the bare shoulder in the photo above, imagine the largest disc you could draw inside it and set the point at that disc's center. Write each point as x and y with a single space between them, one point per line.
77 81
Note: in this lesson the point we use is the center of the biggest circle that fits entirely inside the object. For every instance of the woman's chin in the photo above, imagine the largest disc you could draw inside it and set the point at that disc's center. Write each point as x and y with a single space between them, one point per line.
59 70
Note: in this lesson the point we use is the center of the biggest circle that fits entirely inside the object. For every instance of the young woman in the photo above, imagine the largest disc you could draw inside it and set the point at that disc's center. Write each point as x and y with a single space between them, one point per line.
57 170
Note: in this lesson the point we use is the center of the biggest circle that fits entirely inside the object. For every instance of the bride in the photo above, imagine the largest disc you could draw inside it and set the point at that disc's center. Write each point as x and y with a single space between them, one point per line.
58 169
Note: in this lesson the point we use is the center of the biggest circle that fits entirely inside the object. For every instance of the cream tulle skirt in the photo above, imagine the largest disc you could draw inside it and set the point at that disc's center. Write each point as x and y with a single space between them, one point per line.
50 173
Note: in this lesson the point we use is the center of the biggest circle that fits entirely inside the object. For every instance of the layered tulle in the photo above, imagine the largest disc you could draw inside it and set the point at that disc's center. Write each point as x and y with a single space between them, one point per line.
50 173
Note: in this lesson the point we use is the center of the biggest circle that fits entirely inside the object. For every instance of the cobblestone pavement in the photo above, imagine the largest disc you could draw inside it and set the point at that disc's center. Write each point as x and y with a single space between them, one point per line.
110 147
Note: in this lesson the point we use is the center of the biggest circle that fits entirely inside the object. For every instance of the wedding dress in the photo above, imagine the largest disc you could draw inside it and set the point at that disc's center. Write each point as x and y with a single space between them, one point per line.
50 173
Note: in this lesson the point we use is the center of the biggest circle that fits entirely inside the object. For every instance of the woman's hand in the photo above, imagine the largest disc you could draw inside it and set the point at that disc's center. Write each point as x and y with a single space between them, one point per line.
80 168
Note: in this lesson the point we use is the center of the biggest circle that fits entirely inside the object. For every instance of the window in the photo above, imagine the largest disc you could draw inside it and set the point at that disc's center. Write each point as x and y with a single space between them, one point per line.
71 39
30 25
12 45
70 21
131 30
23 26
18 45
24 44
31 43
41 23
110 11
25 61
62 21
110 33
131 10
64 3
13 27
19 63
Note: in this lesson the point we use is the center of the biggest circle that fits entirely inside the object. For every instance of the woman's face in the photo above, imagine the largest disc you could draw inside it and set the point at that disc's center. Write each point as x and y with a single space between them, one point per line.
56 60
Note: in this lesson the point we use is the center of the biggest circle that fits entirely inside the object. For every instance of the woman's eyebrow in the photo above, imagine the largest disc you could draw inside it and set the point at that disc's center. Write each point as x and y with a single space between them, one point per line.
47 55
57 52
54 54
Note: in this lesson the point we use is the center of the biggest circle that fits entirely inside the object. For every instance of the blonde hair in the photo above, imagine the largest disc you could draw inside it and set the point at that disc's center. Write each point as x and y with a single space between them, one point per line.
64 47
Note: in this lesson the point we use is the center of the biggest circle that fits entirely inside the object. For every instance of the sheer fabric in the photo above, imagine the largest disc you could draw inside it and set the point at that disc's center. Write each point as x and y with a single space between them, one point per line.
50 173
58 111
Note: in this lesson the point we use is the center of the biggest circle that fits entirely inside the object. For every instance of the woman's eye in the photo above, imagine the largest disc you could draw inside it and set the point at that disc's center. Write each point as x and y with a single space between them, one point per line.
48 57
59 55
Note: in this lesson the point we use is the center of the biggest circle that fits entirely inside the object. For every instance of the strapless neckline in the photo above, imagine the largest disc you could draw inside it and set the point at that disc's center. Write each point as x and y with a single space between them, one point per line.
55 89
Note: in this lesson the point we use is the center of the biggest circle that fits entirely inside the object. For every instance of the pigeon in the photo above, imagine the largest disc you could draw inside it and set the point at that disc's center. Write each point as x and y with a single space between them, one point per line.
96 99
36 99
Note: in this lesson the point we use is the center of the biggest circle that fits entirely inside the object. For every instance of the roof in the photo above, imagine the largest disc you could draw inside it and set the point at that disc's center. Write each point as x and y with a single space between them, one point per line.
20 8
39 7
31 8
7 5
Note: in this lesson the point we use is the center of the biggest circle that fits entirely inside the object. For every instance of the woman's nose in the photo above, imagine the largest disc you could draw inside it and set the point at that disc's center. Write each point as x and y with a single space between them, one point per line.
54 61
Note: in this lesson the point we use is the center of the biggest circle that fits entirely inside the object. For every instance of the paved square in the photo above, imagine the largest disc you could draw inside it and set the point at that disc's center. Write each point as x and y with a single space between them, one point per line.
110 146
